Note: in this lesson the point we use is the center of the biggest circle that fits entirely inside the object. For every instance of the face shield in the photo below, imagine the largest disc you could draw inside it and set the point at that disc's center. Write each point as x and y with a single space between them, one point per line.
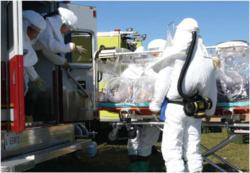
68 18
140 60
33 24
65 29
156 45
140 56
154 54
140 50
33 32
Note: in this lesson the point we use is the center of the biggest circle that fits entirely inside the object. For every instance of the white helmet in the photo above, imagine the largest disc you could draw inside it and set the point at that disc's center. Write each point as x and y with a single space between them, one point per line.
189 24
157 44
68 17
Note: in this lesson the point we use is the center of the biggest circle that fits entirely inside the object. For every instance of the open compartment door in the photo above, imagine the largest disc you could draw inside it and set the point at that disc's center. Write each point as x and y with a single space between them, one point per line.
5 110
15 48
77 96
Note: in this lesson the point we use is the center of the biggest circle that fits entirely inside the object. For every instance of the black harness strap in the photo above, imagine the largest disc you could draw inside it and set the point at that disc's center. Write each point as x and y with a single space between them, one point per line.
51 14
176 102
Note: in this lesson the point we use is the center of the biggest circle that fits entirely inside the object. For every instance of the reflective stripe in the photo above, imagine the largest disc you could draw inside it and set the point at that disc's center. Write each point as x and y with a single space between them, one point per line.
196 107
4 114
201 113
5 106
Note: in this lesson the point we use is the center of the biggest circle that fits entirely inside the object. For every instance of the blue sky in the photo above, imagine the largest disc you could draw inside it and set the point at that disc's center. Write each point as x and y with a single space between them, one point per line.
218 20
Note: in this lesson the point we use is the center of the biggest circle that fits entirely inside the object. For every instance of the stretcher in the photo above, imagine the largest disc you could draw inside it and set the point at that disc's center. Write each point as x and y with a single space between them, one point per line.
121 112
139 114
127 114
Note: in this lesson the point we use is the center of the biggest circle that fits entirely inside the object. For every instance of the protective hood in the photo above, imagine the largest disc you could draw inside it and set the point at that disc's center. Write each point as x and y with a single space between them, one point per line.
157 44
180 45
35 19
55 22
36 22
140 49
68 17
189 25
30 58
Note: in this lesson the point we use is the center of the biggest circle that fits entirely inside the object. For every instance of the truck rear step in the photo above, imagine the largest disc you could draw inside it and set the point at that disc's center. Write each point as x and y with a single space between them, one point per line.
28 161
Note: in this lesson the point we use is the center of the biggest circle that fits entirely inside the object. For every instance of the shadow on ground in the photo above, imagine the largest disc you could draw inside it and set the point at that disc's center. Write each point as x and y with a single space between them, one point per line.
110 158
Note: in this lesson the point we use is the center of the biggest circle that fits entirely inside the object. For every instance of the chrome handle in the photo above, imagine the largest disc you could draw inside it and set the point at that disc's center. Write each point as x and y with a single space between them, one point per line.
14 78
85 94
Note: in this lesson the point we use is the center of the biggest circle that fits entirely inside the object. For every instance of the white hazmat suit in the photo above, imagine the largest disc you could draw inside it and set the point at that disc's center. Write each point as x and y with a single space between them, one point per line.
182 133
35 22
53 57
52 37
140 148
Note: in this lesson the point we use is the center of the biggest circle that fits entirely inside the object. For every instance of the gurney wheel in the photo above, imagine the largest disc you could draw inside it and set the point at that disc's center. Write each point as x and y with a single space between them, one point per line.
132 134
112 137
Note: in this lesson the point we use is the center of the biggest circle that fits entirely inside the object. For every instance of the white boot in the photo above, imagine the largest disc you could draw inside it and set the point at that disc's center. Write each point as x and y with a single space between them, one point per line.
179 172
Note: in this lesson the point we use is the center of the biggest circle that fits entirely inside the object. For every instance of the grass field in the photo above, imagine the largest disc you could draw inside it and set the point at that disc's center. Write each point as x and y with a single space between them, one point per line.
114 158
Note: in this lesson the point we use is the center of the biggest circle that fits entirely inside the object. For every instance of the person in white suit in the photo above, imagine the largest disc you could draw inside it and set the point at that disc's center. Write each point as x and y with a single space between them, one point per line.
140 148
182 133
51 42
33 26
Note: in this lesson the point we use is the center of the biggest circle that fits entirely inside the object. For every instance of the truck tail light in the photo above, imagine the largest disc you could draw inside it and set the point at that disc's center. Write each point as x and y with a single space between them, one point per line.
94 13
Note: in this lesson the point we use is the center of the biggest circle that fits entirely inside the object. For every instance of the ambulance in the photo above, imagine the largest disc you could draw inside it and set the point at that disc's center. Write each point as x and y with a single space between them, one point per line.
62 115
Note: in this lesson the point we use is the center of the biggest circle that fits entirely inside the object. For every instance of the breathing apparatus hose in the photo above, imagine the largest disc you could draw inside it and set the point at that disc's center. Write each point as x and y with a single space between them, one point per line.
182 74
51 14
194 104
184 70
